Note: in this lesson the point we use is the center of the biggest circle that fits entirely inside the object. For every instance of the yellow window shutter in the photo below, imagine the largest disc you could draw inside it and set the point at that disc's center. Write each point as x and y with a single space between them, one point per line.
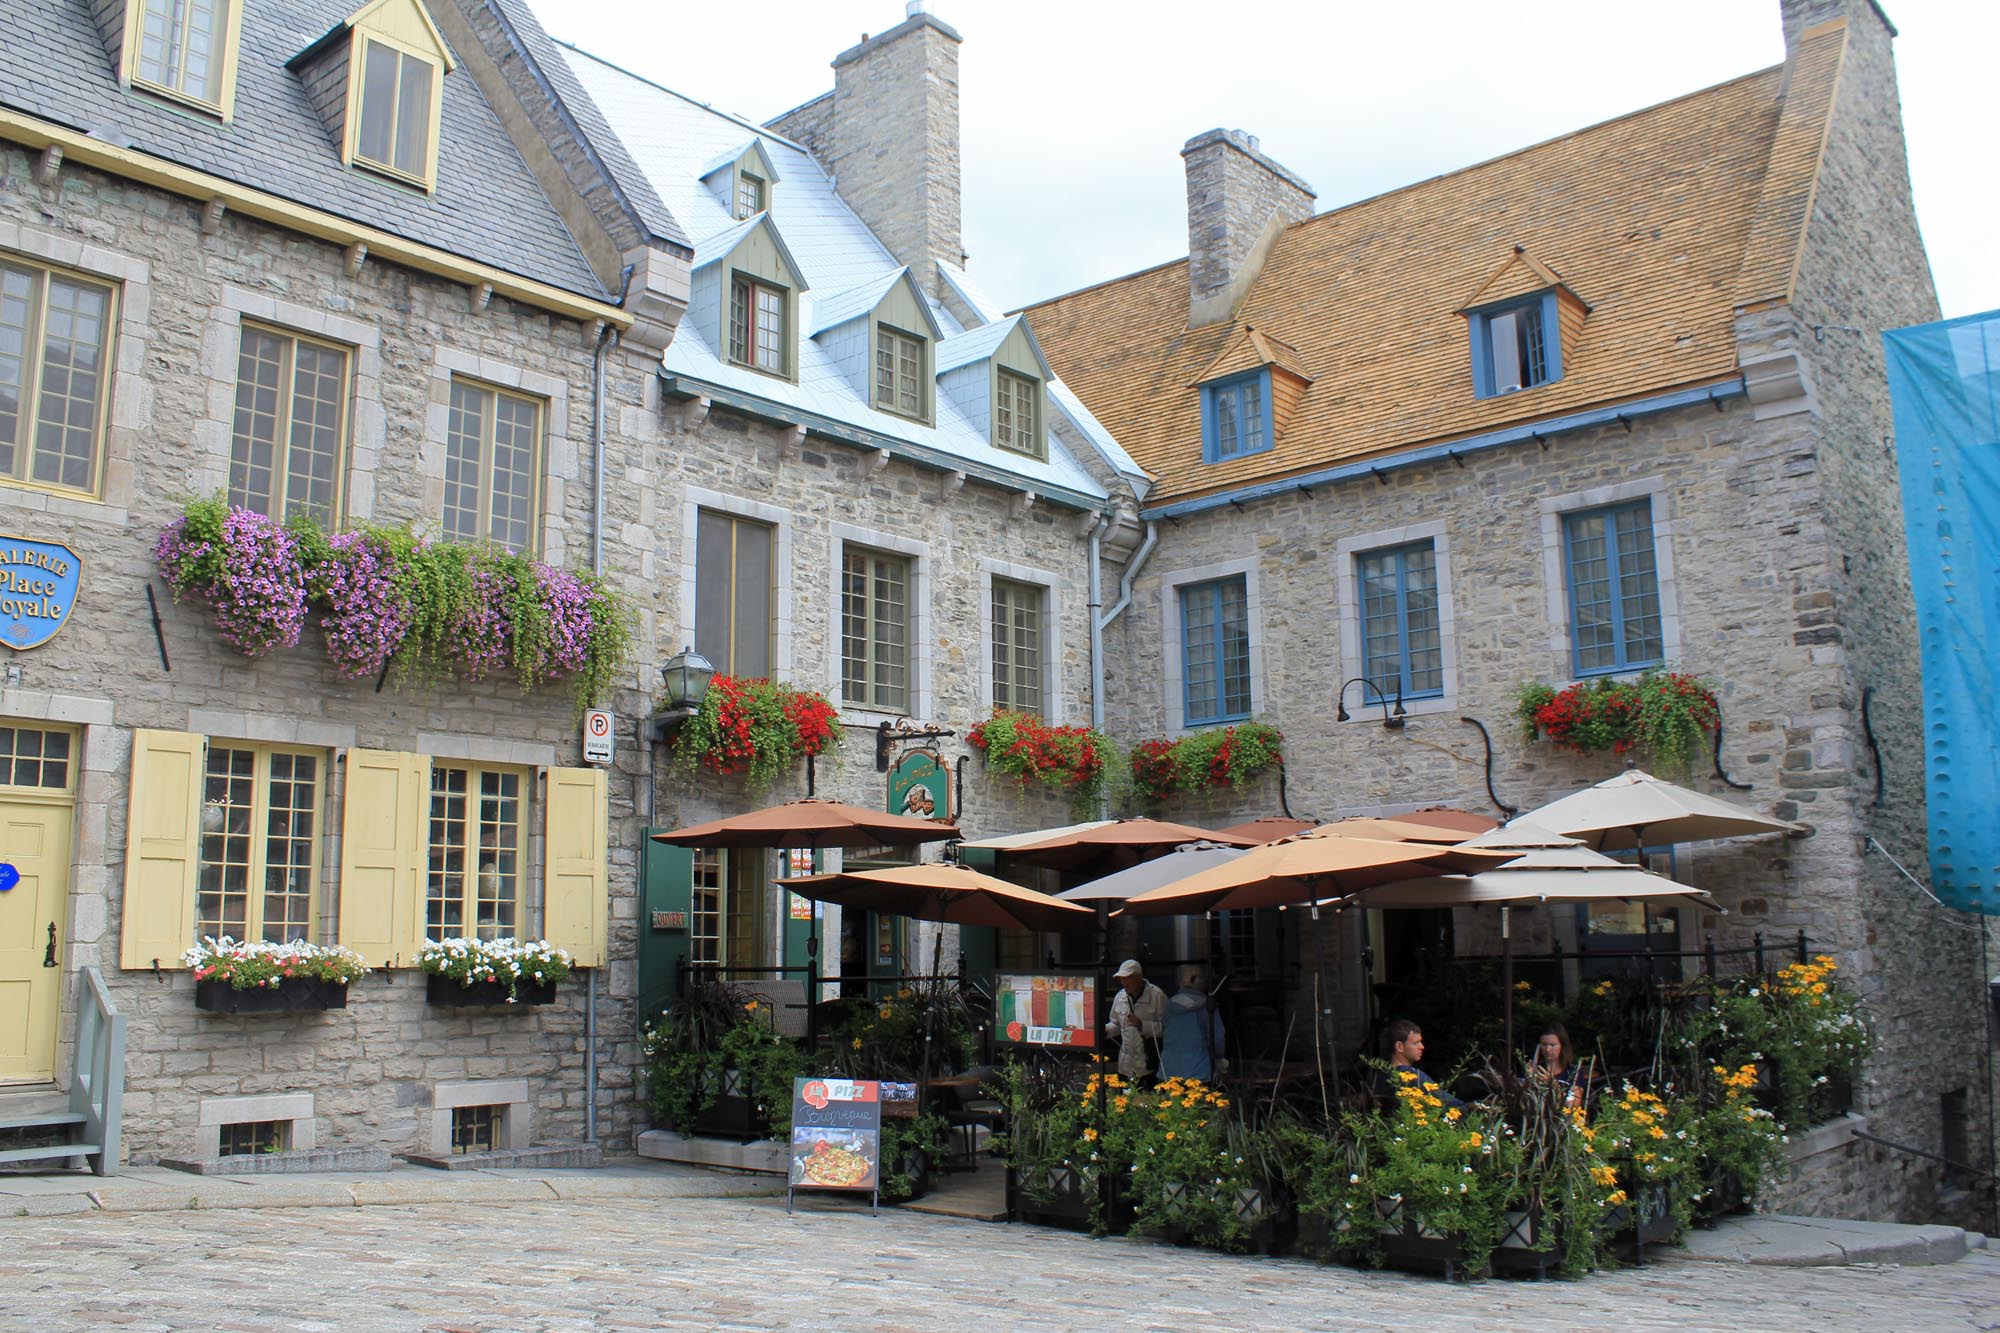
162 849
382 838
575 894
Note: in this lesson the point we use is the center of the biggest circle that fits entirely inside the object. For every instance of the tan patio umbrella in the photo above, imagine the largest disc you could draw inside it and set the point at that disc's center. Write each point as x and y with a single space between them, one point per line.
1394 829
1307 868
1007 842
958 895
1548 868
1444 816
1636 809
1269 828
813 822
1119 843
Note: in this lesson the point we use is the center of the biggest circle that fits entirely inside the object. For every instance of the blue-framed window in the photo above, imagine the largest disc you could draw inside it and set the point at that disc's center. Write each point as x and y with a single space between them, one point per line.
1402 650
1236 416
1614 589
1215 651
1515 345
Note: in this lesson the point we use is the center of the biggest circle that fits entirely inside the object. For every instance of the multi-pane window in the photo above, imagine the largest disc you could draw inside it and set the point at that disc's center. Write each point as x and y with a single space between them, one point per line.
477 1128
705 914
259 835
248 1138
476 852
1215 651
31 757
1017 413
1614 589
395 125
180 47
54 336
899 372
1234 423
1401 652
734 602
875 630
1515 348
284 454
1017 646
757 325
749 195
490 465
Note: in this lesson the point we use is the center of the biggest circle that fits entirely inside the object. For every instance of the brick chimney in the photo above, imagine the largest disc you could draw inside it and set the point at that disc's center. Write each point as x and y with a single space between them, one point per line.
1238 202
888 135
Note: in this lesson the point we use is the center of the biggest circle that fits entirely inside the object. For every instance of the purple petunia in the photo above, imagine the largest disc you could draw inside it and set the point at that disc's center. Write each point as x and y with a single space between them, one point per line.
258 599
366 615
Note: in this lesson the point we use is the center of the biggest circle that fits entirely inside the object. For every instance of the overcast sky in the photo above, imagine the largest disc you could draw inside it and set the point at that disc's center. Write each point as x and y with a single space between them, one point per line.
1074 111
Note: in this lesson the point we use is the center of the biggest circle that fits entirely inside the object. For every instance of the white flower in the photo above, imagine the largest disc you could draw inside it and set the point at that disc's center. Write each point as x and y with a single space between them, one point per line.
1354 1180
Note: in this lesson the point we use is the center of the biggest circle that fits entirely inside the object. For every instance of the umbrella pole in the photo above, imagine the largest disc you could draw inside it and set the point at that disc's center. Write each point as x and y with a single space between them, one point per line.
1324 1004
1507 990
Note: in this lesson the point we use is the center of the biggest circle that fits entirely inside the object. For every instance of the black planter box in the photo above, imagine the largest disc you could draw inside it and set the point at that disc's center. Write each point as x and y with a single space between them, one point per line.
1531 1246
1406 1243
1264 1209
1647 1220
1721 1195
295 996
442 990
1063 1202
732 1113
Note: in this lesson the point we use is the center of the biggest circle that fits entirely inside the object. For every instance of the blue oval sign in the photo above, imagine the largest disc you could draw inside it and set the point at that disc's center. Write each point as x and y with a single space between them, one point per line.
9 876
38 582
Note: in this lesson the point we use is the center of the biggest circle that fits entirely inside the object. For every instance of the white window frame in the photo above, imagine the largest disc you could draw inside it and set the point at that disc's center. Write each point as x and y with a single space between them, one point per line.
1555 567
1347 610
841 536
367 421
1174 696
1055 699
560 463
694 499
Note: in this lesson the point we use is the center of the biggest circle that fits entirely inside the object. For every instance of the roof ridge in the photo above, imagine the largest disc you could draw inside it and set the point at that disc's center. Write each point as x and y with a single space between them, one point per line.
712 109
1091 287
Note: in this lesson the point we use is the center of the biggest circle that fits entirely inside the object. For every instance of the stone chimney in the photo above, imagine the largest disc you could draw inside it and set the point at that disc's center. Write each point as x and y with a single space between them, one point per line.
1799 15
1238 202
888 135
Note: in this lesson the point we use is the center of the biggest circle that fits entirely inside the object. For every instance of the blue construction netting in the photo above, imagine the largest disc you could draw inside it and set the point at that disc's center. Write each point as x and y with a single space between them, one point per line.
1944 384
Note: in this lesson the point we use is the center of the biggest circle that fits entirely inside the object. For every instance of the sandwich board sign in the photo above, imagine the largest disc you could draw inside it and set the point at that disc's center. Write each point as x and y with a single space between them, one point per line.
836 1137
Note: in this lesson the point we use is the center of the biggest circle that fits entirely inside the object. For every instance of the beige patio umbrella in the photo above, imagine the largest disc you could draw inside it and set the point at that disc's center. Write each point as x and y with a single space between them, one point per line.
1117 844
1547 868
1268 828
1636 809
957 895
814 822
1007 842
1396 828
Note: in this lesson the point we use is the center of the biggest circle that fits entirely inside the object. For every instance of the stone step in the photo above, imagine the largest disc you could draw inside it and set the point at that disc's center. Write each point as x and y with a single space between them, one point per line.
758 1155
555 1156
289 1163
1808 1242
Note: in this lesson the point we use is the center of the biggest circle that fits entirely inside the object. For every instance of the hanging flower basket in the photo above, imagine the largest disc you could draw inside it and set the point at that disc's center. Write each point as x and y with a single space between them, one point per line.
1026 749
1666 716
382 596
755 728
1205 760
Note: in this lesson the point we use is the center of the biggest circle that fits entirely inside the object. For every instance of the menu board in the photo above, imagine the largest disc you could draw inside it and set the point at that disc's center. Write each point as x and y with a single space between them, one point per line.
1044 1009
836 1135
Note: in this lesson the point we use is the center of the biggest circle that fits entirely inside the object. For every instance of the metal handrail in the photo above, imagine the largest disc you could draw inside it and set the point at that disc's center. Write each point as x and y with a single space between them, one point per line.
97 1082
1919 1152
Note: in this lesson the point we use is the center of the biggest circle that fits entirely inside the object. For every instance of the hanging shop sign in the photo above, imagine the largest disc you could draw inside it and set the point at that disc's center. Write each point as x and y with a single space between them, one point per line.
920 786
38 582
1043 1009
836 1136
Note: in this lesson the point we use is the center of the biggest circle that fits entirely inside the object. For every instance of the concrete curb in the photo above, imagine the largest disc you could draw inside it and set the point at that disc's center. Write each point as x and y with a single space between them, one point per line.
1809 1242
145 1189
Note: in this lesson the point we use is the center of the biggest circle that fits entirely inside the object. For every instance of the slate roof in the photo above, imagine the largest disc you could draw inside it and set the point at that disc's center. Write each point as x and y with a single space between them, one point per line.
673 140
487 207
1664 221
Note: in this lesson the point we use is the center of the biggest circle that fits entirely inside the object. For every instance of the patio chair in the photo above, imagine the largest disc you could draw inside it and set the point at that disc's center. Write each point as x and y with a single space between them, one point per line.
973 1108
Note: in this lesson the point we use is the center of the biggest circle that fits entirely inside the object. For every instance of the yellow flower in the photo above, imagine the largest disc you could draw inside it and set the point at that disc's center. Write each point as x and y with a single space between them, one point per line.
857 1043
1120 1103
1615 1198
1524 985
1604 1175
903 994
751 1007
1474 1139
1090 1136
1170 1133
885 1011
1453 1114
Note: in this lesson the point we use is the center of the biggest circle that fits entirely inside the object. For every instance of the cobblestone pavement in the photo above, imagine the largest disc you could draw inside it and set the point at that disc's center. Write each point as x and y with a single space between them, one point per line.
743 1264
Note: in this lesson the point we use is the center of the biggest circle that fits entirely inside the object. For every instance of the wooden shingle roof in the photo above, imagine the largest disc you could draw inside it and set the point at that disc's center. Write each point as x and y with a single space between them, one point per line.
1666 222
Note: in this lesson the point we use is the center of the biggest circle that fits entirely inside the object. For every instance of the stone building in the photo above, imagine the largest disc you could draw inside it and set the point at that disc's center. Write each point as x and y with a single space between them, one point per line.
317 259
1610 402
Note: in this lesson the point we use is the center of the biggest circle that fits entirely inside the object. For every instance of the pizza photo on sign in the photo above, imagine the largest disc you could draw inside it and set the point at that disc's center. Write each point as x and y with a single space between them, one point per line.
840 1159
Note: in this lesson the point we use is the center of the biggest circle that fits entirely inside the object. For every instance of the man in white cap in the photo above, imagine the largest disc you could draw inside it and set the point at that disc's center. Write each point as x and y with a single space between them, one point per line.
1138 1016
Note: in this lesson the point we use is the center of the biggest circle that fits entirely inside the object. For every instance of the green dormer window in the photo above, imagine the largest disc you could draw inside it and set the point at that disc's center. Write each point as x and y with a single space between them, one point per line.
749 195
757 319
1017 414
899 372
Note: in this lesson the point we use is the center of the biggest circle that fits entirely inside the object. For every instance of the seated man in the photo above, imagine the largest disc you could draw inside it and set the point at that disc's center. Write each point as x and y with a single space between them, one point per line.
1403 1046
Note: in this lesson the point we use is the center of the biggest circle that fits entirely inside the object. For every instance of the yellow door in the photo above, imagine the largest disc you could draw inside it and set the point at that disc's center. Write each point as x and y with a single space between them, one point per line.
34 840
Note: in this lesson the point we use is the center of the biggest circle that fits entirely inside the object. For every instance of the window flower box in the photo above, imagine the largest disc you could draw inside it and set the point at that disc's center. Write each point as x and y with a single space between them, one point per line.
1407 1242
292 997
1531 1244
1060 1196
449 994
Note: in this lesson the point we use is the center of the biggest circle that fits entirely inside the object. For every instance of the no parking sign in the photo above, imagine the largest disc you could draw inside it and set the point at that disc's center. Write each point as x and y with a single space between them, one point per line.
597 736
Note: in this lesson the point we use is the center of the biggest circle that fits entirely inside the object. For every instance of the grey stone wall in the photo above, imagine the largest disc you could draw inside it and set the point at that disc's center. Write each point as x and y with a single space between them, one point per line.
182 292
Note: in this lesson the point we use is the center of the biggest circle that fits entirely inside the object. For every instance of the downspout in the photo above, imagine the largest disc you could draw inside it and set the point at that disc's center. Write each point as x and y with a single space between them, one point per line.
607 338
1100 623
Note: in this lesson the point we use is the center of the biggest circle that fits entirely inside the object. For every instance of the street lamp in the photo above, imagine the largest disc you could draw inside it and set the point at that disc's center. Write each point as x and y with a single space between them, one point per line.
1393 721
685 676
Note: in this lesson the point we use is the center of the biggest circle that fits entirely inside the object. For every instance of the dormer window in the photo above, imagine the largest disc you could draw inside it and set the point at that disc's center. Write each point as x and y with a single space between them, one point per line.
749 195
741 179
397 93
1515 345
183 49
899 372
1017 414
1236 417
758 335
1524 323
